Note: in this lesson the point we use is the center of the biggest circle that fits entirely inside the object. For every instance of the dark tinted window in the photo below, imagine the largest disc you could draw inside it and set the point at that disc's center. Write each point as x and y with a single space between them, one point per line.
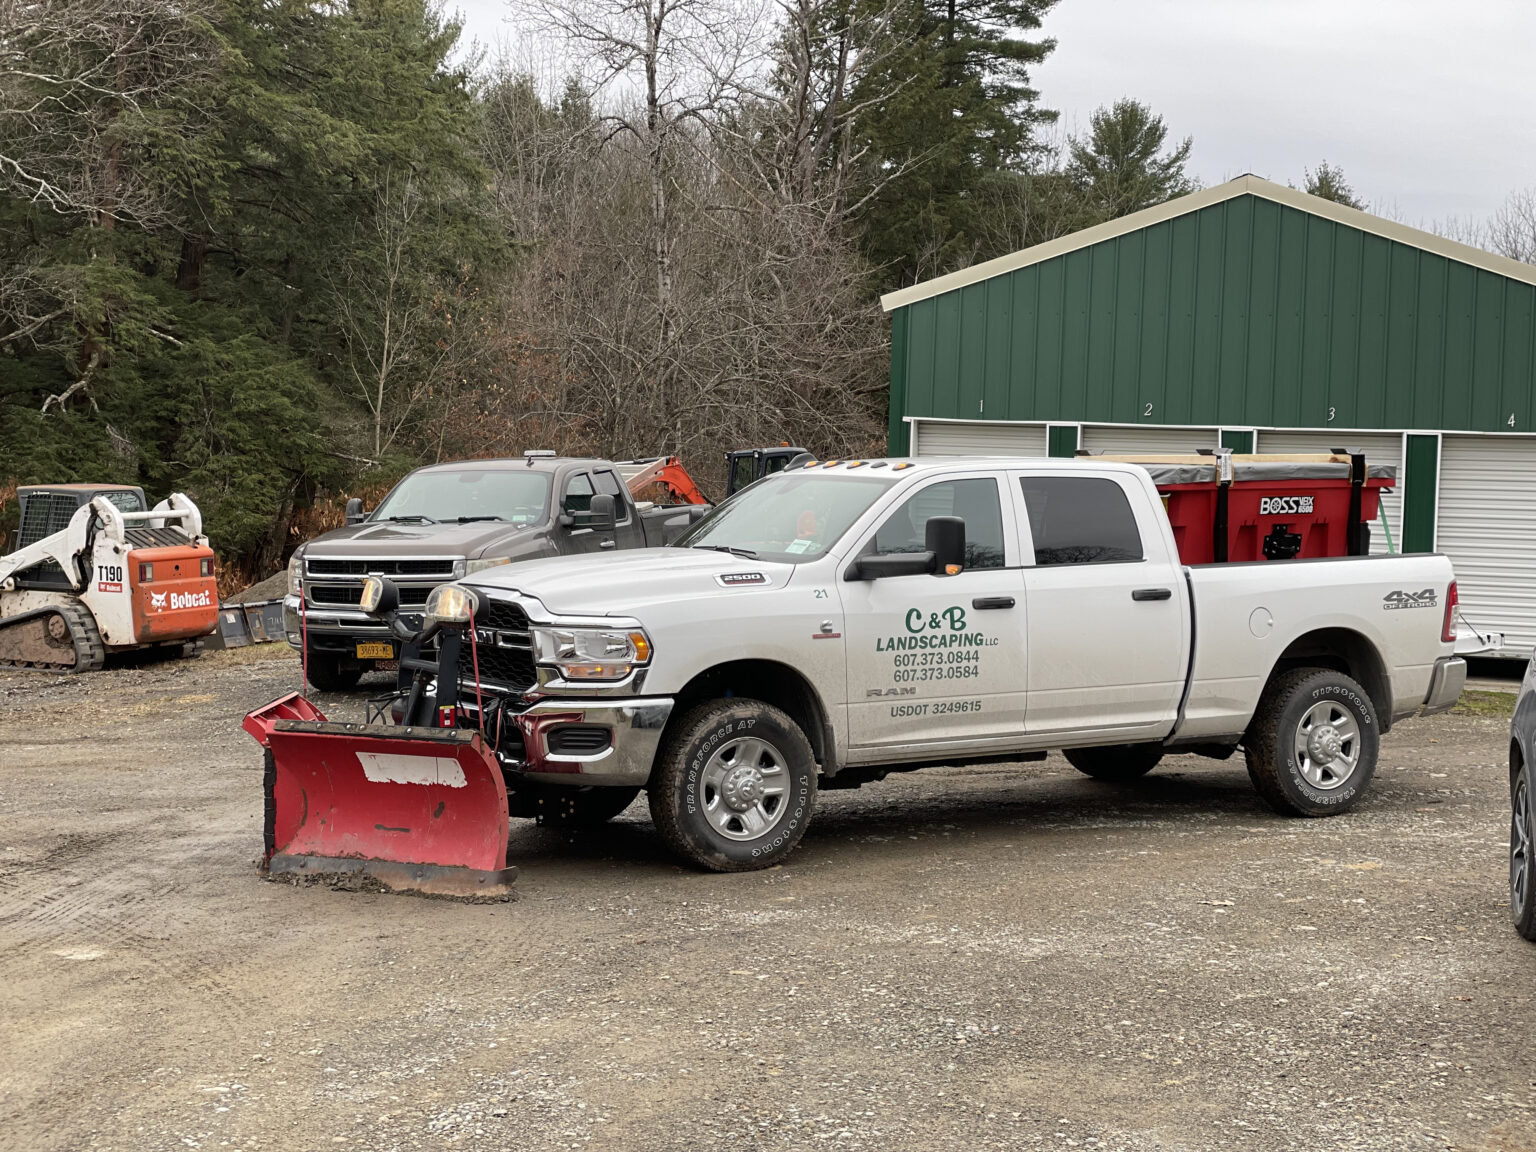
974 501
1080 520
578 493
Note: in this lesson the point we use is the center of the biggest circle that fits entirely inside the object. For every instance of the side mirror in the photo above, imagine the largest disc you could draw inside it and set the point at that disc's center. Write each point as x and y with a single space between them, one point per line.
944 536
380 596
883 565
604 513
355 511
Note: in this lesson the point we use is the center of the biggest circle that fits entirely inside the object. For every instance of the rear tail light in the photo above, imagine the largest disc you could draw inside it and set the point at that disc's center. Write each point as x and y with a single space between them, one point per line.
1448 632
146 573
206 566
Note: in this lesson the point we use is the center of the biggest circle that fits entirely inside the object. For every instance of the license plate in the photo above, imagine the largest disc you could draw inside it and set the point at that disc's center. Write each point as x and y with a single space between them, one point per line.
376 651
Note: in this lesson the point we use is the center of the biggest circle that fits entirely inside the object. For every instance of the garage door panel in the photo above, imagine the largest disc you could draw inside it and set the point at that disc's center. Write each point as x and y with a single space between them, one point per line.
980 438
1379 448
1486 524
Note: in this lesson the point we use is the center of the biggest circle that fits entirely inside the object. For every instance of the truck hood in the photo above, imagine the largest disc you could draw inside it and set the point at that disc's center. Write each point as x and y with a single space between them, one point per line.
624 583
383 539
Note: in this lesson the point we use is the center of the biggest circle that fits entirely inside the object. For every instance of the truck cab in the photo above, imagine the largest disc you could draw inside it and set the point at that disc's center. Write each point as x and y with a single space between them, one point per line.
449 521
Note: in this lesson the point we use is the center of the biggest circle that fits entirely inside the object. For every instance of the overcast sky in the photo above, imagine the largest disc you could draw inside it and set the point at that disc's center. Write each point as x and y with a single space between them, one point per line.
1429 107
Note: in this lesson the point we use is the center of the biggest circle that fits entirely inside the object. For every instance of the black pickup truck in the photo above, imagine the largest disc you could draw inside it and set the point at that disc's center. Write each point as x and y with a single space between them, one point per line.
443 523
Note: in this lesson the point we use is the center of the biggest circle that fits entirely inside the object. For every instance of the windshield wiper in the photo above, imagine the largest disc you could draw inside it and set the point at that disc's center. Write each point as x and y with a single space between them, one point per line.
471 519
747 552
418 516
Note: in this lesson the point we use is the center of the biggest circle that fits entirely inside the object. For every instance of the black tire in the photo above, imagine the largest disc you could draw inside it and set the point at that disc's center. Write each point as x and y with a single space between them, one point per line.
1294 785
1522 852
706 759
333 673
1115 763
556 807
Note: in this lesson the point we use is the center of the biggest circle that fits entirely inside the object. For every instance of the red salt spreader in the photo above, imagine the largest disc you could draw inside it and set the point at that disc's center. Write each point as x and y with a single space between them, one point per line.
1230 508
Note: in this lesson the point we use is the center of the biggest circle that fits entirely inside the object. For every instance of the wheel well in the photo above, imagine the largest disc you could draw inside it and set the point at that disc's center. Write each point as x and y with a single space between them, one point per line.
772 683
1344 651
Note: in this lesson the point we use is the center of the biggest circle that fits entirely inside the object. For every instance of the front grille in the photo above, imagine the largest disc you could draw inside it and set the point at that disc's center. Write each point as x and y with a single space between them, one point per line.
155 537
505 647
322 567
336 594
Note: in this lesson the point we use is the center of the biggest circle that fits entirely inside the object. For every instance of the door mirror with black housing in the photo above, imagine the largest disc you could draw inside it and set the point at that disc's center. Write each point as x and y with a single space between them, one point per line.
943 554
355 513
603 514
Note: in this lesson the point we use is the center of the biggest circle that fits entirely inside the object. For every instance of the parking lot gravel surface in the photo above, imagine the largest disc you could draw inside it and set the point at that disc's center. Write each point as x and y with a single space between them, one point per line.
1012 956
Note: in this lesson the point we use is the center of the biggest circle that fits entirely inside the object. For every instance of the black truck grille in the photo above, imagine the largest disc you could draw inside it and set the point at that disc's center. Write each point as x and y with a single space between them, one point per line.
343 594
323 567
504 644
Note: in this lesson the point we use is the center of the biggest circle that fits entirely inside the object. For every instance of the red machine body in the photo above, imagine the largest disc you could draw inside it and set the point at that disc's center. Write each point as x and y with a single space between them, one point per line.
1235 509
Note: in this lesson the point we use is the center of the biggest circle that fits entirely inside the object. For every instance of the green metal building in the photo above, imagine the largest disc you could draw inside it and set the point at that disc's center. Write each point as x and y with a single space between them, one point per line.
1257 317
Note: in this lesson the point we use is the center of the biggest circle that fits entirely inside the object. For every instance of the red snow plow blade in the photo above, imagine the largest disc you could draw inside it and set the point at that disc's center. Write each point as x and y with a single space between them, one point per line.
417 809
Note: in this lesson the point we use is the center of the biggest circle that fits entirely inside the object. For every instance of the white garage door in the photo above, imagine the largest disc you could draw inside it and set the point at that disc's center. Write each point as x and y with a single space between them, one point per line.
1379 448
1101 439
980 438
1486 524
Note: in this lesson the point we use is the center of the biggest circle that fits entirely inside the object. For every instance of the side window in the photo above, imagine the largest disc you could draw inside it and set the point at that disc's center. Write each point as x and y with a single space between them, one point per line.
125 501
608 485
1080 520
975 501
578 494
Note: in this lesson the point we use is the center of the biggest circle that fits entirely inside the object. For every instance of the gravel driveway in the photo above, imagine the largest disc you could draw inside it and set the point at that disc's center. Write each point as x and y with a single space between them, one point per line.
999 957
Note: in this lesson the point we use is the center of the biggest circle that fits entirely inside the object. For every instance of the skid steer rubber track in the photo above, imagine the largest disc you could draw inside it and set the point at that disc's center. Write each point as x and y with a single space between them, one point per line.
59 638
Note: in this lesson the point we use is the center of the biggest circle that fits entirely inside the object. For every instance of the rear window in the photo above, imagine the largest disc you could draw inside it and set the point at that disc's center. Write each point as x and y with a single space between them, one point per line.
1080 520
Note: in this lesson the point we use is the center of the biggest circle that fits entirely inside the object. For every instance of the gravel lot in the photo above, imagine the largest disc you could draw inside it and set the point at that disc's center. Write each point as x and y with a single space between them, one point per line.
1000 957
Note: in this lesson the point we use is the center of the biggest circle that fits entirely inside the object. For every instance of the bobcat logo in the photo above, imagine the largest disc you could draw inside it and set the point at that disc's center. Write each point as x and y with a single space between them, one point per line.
157 599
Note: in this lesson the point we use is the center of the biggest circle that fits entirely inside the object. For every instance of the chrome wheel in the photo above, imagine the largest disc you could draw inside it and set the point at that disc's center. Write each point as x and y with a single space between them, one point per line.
1327 745
1520 848
744 787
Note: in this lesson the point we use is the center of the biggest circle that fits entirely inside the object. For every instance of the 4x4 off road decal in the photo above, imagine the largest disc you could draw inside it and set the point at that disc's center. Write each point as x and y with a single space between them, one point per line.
1428 598
1286 505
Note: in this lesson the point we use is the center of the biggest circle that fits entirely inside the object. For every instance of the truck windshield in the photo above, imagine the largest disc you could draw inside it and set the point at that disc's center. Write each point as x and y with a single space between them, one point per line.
789 517
515 495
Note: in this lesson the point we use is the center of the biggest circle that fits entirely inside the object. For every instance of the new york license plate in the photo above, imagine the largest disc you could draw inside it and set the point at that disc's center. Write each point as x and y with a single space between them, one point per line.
377 650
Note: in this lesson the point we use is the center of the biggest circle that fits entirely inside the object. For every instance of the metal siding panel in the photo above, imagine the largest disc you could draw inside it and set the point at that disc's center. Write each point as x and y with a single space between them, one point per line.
1370 365
1127 397
1099 332
1455 393
1401 350
922 339
1429 342
1487 526
1290 319
1237 440
1061 440
1151 379
1101 439
1179 356
1317 305
1488 353
997 375
1206 376
1379 448
1254 403
980 438
946 358
969 380
1075 343
1044 365
1232 330
1347 328
1519 360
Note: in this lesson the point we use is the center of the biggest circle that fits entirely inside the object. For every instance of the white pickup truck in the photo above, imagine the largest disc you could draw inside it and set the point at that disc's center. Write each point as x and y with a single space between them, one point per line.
844 620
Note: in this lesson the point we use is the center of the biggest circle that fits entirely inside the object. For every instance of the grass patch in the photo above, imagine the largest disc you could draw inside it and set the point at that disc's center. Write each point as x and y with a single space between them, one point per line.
1476 703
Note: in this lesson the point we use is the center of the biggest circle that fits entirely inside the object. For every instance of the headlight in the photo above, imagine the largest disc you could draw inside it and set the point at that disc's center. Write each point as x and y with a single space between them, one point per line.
473 566
591 653
451 604
296 574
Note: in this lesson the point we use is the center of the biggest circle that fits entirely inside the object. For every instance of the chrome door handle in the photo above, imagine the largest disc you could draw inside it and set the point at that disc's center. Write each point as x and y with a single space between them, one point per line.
608 544
1152 594
981 603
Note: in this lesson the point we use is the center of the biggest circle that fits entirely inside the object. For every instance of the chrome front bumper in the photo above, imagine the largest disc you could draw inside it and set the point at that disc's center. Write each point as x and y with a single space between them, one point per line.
331 621
635 725
1445 685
